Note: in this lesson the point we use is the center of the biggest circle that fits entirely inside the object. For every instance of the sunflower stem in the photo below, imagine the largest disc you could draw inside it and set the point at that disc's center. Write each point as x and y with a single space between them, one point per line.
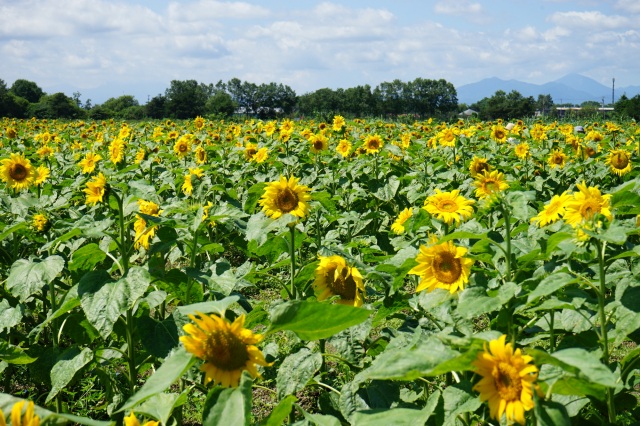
292 253
507 229
552 336
600 247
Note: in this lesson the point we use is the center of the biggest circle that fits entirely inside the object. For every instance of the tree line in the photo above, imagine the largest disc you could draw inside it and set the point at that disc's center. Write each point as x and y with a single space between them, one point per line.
185 99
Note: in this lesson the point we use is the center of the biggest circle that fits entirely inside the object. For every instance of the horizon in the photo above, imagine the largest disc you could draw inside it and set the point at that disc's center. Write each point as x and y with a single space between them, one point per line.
105 49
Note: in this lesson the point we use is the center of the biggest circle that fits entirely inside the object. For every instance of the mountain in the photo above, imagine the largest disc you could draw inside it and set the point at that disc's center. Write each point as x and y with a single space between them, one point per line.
572 88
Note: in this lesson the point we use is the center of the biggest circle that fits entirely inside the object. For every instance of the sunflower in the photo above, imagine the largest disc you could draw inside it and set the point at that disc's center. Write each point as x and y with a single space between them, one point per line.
552 210
585 204
96 189
285 196
499 133
41 175
198 122
201 155
449 206
373 144
29 418
249 151
227 348
335 278
557 158
11 133
187 185
140 156
39 222
132 420
398 225
17 172
319 143
344 148
88 163
262 155
338 123
442 266
45 151
522 150
508 380
182 147
478 166
447 137
619 161
490 183
143 235
538 132
116 151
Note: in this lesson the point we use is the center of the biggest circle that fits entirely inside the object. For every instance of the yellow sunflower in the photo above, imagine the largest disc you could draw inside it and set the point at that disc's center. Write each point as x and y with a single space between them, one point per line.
449 206
442 266
338 123
96 189
373 144
319 143
132 420
182 147
116 151
285 196
585 204
140 156
499 133
478 166
227 348
335 278
40 222
262 155
187 185
198 122
490 183
508 380
41 174
619 161
557 158
17 172
88 163
522 150
144 234
29 418
398 225
250 151
447 137
344 148
201 155
552 210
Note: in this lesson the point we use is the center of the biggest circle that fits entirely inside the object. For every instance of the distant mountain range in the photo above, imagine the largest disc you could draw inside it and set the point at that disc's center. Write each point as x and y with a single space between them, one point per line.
572 88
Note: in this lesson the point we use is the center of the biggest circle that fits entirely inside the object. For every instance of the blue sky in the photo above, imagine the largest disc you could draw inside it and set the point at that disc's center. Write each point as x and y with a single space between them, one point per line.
104 48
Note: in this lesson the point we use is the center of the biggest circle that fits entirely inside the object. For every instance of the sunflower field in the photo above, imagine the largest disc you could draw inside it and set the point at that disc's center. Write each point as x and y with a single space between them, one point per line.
301 272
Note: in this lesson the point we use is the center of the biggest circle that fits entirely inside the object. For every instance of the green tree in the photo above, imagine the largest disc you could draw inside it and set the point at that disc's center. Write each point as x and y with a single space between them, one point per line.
628 107
221 104
392 97
544 104
156 107
57 105
186 99
27 89
431 97
125 106
505 106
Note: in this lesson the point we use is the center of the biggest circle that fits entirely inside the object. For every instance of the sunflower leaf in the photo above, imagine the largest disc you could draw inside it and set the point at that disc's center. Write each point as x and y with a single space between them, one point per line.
27 277
315 320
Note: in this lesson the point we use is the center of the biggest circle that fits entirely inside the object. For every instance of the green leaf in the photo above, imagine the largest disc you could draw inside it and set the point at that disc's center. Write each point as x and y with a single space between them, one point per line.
27 277
9 316
388 191
171 370
70 301
103 301
321 419
158 337
296 371
8 231
550 413
253 196
47 417
425 357
315 320
324 198
161 406
86 257
280 413
458 399
229 406
392 416
70 363
550 285
14 354
474 301
582 364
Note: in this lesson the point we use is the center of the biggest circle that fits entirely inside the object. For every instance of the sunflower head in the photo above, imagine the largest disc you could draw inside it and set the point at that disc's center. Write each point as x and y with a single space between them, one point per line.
17 172
373 144
344 148
478 166
619 161
29 418
449 206
96 189
442 266
398 224
335 278
557 159
508 380
489 184
586 204
226 348
40 222
285 196
132 420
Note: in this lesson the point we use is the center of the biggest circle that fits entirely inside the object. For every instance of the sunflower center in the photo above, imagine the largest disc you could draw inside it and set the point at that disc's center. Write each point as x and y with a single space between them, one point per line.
558 159
18 172
373 144
481 167
182 147
491 186
225 350
499 134
508 382
447 269
342 284
317 145
589 208
448 206
619 161
287 200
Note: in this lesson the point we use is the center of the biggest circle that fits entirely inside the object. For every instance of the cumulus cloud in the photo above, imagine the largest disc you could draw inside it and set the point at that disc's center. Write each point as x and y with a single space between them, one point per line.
590 20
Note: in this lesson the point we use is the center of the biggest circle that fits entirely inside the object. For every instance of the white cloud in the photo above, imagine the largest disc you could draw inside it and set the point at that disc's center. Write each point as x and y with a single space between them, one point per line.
628 6
458 7
589 20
